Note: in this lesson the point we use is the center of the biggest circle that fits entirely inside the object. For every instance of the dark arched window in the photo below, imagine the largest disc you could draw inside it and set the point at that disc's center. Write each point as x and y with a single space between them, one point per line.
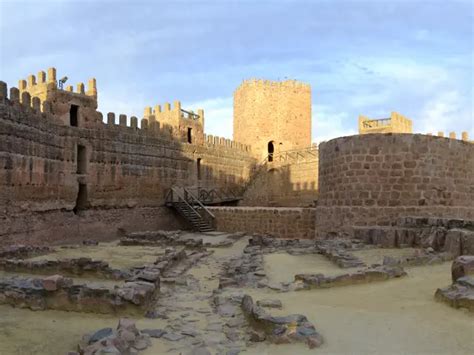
271 150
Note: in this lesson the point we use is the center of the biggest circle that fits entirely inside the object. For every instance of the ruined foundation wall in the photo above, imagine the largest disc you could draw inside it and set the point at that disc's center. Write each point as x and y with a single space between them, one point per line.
370 180
290 185
277 222
122 168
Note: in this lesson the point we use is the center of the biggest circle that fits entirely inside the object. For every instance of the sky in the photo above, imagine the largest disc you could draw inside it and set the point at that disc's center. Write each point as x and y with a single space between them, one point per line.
360 57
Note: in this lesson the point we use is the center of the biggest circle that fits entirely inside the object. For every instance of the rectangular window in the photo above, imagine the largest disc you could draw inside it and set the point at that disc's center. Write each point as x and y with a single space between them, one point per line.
81 159
190 138
73 115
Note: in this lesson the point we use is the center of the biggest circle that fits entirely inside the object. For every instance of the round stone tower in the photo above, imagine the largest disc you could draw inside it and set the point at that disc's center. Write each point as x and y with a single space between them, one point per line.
272 116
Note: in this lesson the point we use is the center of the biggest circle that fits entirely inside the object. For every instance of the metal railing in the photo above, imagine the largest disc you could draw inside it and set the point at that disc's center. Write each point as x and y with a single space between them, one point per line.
217 195
189 115
292 156
377 123
174 196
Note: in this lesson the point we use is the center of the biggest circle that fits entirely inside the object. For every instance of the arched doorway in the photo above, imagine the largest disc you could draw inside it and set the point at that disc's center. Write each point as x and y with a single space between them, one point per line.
271 150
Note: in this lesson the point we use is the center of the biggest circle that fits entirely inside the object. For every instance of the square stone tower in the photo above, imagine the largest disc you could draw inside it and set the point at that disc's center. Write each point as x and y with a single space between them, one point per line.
272 116
73 108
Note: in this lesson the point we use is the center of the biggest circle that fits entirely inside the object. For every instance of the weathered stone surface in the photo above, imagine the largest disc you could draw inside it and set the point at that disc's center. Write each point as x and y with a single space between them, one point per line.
336 251
57 292
459 295
270 303
168 238
257 335
462 266
421 257
199 351
372 274
398 184
295 327
154 333
453 236
100 334
126 339
67 267
172 336
20 251
52 283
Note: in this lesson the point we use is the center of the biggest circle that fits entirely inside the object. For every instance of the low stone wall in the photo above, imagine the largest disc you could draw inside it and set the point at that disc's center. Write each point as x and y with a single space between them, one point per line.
279 222
62 227
454 236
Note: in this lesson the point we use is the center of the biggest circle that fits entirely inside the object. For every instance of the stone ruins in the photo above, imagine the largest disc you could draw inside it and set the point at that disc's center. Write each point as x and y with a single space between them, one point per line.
128 235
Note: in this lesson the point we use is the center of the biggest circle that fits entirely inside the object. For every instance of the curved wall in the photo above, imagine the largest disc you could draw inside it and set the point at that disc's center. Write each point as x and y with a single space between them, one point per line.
373 179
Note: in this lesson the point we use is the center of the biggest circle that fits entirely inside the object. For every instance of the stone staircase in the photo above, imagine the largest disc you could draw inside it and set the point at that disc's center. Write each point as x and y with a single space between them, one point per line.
185 203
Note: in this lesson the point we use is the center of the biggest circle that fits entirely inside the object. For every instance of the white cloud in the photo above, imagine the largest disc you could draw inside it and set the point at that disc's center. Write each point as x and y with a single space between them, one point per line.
329 123
218 115
446 112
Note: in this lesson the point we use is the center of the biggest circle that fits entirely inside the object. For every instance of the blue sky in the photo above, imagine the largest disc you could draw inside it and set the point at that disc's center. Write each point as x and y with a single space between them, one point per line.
360 57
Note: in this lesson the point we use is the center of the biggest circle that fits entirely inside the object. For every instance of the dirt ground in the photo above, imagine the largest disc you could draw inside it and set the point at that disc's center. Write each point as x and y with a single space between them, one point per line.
399 316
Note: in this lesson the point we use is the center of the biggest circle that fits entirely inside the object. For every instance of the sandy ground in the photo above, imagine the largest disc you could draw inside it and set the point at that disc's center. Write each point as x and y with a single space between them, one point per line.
117 256
395 317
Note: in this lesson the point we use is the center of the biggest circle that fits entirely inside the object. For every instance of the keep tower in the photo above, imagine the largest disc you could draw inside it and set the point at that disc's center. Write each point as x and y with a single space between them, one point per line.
272 116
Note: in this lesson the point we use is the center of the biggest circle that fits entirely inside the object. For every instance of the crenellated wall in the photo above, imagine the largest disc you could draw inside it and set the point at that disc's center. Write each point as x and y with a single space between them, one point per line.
372 180
49 169
452 135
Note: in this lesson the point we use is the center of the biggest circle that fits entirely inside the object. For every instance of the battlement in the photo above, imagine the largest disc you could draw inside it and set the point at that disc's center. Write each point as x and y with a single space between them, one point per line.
172 114
213 141
33 106
396 123
262 83
452 135
23 100
45 84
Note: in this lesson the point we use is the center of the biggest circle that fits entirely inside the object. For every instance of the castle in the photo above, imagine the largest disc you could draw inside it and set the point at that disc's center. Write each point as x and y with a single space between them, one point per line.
66 171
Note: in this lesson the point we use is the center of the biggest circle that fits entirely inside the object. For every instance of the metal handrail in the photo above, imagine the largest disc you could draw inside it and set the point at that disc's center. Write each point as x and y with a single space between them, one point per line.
216 195
191 115
172 190
198 202
287 153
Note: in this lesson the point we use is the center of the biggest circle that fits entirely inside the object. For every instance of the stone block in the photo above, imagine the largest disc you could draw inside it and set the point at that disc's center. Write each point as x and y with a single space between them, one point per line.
462 266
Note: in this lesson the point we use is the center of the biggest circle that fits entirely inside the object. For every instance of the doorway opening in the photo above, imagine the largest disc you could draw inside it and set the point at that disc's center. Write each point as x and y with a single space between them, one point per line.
81 200
190 137
73 115
198 165
271 150
81 159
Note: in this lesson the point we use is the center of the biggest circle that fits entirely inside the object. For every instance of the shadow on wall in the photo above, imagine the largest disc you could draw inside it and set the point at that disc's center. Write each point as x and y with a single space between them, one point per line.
291 185
65 181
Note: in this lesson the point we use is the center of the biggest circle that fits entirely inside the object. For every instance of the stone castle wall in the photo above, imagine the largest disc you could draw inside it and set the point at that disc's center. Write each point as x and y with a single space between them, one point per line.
267 111
288 185
121 168
285 222
370 180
